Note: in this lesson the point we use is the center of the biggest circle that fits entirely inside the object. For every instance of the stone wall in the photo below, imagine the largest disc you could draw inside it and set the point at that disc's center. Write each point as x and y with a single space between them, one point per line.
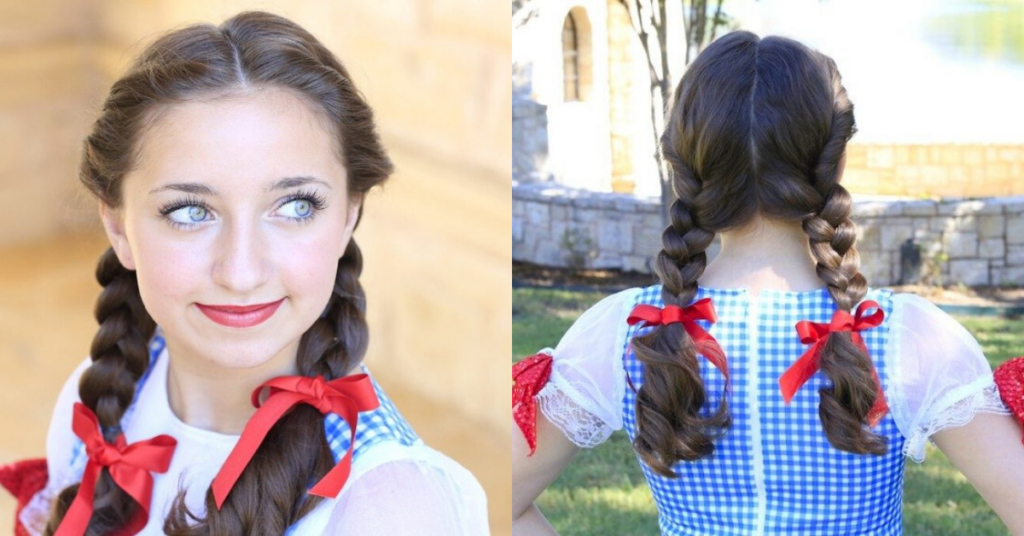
938 170
974 242
529 137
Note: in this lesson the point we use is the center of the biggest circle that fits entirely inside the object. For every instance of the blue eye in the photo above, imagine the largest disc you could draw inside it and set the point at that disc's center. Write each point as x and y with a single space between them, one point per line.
196 213
303 206
186 213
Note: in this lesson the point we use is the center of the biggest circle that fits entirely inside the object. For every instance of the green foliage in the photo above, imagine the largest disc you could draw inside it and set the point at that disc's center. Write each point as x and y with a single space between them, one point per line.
931 266
603 491
980 29
578 247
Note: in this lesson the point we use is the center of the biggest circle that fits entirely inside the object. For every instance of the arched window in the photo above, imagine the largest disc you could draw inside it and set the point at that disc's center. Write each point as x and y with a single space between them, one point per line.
571 59
576 60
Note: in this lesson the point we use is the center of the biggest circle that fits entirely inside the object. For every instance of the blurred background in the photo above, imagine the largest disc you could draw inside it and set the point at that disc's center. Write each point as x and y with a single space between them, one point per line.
436 267
936 169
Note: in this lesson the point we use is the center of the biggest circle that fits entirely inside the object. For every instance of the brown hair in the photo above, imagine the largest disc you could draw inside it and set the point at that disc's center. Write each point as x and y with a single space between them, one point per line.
252 50
757 126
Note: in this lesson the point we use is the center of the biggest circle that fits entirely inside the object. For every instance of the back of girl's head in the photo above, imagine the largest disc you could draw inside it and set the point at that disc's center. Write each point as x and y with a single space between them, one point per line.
758 127
249 52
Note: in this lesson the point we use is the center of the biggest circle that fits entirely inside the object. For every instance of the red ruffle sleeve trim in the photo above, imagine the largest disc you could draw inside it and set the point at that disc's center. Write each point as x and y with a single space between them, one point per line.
529 376
23 480
1009 379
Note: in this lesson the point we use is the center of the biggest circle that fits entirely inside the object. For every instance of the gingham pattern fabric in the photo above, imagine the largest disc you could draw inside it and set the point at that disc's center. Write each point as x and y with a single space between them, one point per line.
382 424
773 472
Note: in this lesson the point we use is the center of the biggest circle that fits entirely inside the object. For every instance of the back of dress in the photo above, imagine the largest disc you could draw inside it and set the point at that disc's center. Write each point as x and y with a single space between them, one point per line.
773 471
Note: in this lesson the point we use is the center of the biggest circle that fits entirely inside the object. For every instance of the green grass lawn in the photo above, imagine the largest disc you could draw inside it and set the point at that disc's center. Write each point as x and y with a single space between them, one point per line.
603 492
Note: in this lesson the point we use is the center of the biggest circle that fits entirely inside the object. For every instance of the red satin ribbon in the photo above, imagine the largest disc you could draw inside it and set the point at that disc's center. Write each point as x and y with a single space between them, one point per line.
530 376
816 334
129 466
345 397
703 309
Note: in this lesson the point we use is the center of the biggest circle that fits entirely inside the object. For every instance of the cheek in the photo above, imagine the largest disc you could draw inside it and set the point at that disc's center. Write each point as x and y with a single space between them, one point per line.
308 266
169 272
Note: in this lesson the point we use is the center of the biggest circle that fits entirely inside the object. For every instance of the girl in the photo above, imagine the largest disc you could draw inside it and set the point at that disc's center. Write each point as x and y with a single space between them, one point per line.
231 164
741 424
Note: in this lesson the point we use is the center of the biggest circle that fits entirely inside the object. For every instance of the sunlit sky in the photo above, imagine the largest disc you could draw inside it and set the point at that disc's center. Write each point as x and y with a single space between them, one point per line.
907 85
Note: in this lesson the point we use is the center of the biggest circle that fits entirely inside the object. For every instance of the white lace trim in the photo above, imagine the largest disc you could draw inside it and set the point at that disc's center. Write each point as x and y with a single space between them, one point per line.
36 513
579 425
983 397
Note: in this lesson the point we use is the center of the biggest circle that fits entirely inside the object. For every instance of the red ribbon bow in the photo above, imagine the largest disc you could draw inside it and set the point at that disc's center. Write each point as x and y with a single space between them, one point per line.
129 466
703 309
346 396
816 334
530 375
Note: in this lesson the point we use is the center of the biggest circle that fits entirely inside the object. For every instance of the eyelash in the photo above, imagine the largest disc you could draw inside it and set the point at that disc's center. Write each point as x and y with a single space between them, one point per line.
316 201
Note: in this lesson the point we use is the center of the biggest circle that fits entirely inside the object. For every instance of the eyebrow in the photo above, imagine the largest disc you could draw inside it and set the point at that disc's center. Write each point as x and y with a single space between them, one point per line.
199 188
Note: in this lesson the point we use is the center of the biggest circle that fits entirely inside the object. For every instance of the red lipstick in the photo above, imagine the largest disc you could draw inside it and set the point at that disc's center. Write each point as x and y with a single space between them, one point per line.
240 316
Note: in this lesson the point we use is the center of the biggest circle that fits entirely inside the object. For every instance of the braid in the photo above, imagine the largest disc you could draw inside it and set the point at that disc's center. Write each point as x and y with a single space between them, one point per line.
845 405
120 356
668 404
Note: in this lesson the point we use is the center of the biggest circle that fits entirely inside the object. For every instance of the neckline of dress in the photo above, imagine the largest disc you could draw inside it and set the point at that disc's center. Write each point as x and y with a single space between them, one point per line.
764 291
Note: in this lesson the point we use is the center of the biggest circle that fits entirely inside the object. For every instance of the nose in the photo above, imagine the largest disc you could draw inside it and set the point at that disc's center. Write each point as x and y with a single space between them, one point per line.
241 263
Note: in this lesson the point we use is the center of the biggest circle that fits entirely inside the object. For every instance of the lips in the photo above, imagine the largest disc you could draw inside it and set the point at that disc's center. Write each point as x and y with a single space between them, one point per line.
240 316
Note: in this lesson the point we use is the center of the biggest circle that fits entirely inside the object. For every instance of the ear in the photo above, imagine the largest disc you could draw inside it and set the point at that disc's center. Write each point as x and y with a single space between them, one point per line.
355 208
841 167
113 224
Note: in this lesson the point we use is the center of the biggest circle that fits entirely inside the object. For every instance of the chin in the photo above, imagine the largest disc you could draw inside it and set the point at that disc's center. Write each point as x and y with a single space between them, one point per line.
253 354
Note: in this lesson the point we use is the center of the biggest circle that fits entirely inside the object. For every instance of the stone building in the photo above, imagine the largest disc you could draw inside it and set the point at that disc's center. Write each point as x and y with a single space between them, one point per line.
929 166
580 115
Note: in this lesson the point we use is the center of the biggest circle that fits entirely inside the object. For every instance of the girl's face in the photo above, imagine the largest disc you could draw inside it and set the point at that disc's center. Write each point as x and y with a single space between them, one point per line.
235 201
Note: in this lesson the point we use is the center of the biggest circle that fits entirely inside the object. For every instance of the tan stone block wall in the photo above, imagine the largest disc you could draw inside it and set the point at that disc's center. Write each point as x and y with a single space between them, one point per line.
46 68
935 171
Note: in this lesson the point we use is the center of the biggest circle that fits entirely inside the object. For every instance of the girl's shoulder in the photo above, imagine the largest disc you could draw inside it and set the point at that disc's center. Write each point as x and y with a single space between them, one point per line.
382 425
428 492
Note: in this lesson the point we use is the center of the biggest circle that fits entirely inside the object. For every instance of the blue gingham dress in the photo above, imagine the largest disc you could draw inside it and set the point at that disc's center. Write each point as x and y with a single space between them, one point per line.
774 471
383 424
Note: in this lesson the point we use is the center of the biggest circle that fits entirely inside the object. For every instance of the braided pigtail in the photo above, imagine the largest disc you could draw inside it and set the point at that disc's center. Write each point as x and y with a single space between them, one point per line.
845 405
668 404
711 175
120 355
670 427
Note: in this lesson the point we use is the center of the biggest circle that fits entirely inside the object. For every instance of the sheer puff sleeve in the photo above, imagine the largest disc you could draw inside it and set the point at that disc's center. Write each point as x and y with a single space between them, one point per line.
941 378
584 393
421 492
